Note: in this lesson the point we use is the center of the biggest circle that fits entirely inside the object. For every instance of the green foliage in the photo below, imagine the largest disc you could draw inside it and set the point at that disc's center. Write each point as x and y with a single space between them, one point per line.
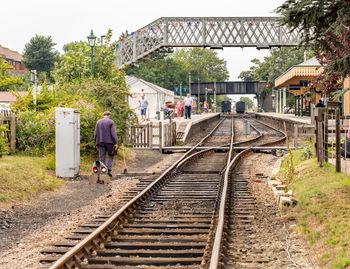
6 80
40 55
74 65
272 67
325 28
322 210
203 64
160 70
35 132
3 142
46 98
36 128
220 99
248 102
50 162
74 88
307 152
170 70
89 115
316 19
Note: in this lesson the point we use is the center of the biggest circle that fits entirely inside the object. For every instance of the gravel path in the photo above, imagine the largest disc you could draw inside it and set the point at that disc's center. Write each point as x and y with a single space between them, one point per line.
271 230
50 222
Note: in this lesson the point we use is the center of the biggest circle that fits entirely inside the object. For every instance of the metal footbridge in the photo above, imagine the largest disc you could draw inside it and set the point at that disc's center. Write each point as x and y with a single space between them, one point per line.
212 32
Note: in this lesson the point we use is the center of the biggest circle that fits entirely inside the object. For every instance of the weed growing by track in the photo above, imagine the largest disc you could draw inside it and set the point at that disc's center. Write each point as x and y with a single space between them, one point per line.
323 209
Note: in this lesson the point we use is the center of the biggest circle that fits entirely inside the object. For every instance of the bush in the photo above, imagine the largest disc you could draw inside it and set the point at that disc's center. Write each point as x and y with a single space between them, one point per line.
35 132
89 115
3 142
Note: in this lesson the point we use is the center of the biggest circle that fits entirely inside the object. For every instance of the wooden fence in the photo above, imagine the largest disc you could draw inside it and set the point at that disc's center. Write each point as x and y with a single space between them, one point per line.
152 135
8 119
330 127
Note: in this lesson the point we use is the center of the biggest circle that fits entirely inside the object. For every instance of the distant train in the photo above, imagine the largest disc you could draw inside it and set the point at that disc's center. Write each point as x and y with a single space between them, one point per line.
226 106
240 107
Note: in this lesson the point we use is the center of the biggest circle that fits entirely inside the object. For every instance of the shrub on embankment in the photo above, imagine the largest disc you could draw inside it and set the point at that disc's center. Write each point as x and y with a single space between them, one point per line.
323 210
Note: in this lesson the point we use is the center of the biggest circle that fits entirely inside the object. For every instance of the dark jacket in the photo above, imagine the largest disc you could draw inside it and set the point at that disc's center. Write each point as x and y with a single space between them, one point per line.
105 132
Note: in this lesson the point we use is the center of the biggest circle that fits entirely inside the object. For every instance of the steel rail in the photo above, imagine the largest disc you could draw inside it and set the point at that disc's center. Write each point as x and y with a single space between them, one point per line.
77 255
216 250
215 255
284 135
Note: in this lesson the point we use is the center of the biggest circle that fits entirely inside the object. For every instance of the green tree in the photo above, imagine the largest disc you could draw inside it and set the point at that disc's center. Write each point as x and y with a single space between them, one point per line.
248 102
74 65
169 70
325 27
221 98
272 67
160 70
40 55
7 82
204 64
107 86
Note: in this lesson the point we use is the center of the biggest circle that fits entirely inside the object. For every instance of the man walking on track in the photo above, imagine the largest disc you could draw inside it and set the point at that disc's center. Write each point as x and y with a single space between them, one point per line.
106 140
188 102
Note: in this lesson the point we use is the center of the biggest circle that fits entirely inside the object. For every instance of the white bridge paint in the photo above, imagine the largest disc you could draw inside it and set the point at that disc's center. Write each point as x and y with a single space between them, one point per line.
67 142
212 32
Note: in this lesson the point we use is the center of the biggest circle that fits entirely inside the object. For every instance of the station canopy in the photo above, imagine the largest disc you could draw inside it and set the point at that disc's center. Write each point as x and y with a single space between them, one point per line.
297 79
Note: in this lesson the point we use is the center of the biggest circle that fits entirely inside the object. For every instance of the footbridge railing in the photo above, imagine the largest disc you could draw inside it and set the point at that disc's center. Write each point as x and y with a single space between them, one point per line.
213 32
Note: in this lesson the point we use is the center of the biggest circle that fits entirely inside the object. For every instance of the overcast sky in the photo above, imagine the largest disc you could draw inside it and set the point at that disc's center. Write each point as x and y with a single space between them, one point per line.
71 20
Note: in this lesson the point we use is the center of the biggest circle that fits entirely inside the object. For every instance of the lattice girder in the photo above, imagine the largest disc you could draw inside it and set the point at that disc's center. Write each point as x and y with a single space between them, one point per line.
215 32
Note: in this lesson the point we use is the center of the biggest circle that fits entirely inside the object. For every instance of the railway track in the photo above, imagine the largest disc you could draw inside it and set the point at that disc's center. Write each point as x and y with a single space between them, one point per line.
174 221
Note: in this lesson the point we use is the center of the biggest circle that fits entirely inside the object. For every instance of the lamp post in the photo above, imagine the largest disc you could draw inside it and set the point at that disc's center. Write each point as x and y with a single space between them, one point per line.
92 41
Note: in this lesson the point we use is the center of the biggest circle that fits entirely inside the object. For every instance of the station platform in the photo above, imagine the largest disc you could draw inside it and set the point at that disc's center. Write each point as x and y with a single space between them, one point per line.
184 127
291 117
181 123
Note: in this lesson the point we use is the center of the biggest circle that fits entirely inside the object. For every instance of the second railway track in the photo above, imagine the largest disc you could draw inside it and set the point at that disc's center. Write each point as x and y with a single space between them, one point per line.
176 221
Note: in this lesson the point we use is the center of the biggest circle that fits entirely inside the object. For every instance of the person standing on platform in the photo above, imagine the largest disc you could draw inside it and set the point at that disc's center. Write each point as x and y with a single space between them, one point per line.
205 107
106 140
144 105
188 103
178 108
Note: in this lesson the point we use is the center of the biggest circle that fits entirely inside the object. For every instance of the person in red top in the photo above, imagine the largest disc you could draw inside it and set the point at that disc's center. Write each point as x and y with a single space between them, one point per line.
205 107
178 108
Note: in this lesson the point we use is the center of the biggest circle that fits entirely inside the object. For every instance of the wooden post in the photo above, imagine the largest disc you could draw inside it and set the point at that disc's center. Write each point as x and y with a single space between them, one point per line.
13 134
150 135
174 136
316 136
170 131
319 140
147 141
325 140
337 141
160 136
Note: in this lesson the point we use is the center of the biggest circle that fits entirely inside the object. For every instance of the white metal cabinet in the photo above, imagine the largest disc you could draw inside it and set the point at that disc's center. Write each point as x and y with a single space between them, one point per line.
67 142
